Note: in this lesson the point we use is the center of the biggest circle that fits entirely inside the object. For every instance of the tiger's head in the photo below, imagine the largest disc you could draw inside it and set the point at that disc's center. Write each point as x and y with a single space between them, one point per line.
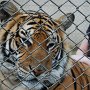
34 39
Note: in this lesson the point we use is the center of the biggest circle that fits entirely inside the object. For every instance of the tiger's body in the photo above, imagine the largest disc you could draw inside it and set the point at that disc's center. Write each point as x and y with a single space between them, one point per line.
35 52
78 78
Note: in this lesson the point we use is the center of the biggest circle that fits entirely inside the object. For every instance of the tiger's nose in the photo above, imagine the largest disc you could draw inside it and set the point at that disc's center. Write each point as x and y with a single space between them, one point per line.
38 72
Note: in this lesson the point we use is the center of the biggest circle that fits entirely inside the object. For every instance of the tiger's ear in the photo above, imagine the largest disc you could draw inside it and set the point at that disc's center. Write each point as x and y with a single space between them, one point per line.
7 9
66 20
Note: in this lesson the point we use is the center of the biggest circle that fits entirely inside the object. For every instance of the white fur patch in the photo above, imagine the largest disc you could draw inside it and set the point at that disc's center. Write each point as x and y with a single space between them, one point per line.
7 44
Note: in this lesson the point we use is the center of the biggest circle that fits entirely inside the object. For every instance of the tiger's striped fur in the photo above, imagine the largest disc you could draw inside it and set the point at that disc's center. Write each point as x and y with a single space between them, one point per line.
33 43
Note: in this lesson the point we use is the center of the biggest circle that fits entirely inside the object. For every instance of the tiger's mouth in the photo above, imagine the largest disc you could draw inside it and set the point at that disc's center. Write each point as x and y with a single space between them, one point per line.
40 81
35 79
37 72
31 74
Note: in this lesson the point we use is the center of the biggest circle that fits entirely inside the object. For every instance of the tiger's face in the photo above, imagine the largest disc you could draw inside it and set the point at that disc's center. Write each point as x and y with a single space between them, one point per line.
36 53
35 40
38 44
40 38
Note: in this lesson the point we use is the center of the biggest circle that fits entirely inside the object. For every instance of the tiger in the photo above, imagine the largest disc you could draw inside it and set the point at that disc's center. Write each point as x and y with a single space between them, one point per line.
35 53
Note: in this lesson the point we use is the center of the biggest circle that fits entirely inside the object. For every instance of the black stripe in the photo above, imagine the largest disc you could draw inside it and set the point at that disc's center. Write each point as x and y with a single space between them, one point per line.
11 50
48 26
34 17
31 23
11 62
50 22
4 44
86 77
7 56
17 33
54 22
58 38
50 46
31 28
61 56
75 84
21 55
46 19
88 82
17 44
40 17
40 22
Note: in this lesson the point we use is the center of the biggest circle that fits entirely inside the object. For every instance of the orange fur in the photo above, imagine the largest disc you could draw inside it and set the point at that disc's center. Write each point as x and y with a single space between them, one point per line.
82 80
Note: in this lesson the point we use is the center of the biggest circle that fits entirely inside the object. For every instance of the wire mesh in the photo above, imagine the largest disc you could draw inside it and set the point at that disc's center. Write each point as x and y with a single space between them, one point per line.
33 61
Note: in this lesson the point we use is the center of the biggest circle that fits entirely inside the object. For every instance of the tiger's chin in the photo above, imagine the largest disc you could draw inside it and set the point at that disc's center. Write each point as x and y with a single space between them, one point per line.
31 81
40 82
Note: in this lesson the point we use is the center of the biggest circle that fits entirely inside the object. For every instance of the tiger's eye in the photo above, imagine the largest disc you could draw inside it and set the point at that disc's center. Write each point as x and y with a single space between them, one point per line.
50 45
26 41
22 33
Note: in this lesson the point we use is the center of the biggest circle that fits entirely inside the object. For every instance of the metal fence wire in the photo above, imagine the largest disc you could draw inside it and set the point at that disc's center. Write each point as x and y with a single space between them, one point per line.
33 52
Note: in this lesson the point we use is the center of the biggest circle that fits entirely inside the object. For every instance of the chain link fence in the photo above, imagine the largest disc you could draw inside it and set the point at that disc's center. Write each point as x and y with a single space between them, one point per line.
75 35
